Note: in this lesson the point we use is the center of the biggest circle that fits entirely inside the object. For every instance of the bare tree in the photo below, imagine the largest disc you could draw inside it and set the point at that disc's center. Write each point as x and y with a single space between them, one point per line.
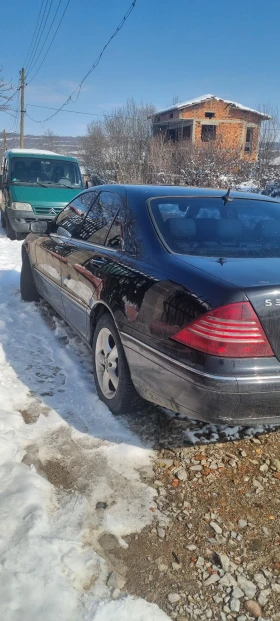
50 141
116 148
6 93
266 172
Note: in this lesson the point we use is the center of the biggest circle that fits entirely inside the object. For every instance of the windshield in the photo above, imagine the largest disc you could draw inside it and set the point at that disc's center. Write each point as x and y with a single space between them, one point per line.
217 228
44 171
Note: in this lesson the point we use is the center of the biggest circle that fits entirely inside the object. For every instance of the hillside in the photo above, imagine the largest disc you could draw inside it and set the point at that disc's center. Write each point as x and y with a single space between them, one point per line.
67 145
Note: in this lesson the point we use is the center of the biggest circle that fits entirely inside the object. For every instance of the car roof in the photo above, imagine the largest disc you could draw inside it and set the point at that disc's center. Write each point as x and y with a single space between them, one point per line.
153 191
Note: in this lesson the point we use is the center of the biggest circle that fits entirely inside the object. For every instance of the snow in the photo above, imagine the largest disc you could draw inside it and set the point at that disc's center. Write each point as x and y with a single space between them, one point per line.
32 152
61 452
204 98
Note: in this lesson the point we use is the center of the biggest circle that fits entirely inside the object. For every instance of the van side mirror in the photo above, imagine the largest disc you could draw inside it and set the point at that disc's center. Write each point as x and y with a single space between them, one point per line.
39 226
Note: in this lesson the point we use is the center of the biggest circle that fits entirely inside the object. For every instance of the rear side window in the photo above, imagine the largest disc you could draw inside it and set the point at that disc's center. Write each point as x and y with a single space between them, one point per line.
212 227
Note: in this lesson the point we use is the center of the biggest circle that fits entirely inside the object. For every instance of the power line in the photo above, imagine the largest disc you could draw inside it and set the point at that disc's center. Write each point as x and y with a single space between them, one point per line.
101 114
57 109
78 89
29 50
40 32
56 31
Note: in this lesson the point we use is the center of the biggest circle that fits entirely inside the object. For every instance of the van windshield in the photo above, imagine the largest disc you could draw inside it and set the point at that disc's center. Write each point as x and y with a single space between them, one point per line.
45 172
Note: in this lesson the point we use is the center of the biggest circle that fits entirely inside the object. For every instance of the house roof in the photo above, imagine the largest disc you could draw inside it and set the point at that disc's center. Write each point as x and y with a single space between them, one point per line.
203 98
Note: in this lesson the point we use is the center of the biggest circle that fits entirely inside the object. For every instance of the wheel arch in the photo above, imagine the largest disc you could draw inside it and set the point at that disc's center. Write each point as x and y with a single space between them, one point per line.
100 309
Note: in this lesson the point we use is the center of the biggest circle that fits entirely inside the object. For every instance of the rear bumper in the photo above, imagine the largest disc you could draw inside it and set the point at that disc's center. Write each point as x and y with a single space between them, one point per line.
216 399
20 220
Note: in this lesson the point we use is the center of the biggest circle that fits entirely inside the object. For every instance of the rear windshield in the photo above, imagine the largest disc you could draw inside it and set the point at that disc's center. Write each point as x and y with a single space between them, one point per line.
44 171
215 228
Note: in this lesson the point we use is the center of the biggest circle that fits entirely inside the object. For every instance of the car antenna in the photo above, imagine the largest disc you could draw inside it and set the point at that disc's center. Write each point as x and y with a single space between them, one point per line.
226 198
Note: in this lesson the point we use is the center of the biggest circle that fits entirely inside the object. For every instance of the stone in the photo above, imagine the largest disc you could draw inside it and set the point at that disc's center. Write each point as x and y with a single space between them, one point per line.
247 586
237 593
216 528
200 561
191 547
223 560
173 598
197 468
241 618
264 468
116 581
163 567
108 542
164 463
217 599
161 533
101 505
181 474
253 608
264 596
212 580
275 463
242 523
228 581
257 485
234 605
116 593
276 588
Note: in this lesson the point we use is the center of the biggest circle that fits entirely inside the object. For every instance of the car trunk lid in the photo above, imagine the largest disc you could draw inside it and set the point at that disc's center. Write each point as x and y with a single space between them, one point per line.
258 278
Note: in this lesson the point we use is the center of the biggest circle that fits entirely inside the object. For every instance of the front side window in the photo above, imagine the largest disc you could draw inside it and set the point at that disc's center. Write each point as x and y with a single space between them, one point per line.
205 226
100 218
70 219
45 172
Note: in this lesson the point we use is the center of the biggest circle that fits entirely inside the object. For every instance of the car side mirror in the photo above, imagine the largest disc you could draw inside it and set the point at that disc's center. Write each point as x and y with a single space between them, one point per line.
1 182
38 226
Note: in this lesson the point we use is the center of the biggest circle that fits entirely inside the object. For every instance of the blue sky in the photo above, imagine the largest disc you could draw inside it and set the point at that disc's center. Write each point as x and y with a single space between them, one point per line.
166 49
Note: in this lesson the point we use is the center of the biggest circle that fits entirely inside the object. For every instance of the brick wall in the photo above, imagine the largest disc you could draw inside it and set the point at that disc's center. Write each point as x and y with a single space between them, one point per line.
231 124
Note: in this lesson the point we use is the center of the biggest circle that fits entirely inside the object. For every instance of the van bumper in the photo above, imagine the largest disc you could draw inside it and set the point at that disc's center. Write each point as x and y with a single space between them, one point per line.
20 220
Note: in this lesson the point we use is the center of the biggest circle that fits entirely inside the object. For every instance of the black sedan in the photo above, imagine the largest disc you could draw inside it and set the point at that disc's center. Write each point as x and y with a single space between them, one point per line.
177 292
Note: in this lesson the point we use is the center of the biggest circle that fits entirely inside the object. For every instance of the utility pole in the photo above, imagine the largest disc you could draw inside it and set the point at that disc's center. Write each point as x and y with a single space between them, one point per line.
22 110
5 140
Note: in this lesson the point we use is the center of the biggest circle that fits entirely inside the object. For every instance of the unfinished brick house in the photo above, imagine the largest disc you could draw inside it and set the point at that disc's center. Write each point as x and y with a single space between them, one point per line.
210 118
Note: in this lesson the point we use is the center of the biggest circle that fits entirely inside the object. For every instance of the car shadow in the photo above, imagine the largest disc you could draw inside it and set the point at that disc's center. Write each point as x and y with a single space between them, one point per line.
56 367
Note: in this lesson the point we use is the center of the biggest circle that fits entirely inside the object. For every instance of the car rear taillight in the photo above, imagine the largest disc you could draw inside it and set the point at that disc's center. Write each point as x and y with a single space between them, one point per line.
231 331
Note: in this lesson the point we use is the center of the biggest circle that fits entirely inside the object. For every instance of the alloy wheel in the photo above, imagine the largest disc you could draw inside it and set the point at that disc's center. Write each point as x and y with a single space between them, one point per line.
106 360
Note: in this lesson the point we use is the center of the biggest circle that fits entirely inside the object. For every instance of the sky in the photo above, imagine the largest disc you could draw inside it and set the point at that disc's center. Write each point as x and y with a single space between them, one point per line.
165 49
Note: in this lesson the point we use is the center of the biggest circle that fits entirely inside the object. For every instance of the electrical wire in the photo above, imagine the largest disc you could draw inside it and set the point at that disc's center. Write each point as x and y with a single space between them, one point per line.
39 35
53 38
30 47
77 90
101 114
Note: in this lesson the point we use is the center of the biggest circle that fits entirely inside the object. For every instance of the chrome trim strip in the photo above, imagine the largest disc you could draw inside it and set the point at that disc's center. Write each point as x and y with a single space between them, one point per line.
192 370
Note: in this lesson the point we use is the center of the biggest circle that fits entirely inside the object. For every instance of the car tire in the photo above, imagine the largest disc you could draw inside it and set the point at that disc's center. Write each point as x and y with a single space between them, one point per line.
3 220
11 234
28 288
113 383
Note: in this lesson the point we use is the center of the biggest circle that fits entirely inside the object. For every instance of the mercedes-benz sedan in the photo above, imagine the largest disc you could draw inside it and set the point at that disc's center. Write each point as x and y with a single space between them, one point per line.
177 292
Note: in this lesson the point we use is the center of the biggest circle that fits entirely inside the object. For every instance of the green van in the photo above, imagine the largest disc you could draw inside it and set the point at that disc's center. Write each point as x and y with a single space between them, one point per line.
35 185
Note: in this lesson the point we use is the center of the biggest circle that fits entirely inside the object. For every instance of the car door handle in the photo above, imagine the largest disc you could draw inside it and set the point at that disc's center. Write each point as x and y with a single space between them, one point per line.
97 261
